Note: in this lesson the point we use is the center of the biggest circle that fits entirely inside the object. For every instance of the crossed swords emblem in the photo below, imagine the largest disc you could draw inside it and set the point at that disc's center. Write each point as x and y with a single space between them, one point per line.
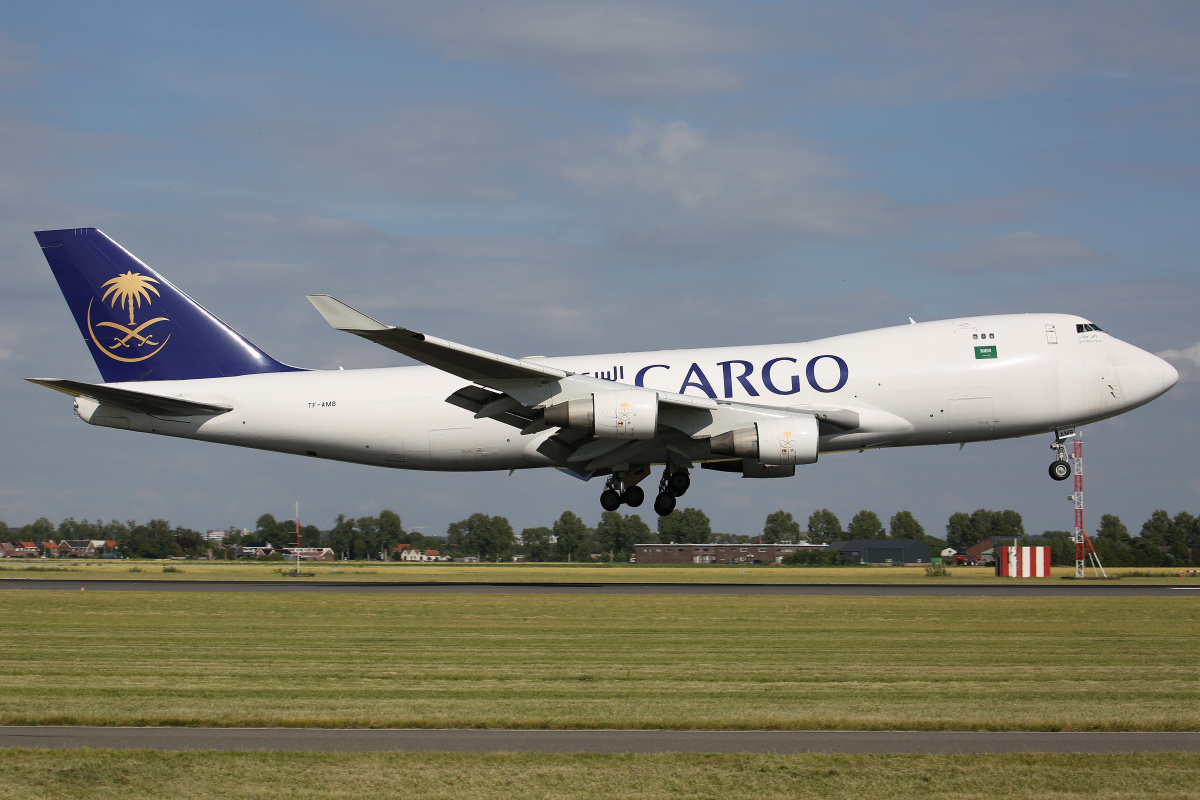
128 290
131 333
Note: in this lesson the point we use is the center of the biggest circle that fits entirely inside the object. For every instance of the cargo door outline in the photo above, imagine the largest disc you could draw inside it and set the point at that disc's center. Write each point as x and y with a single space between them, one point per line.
452 446
970 415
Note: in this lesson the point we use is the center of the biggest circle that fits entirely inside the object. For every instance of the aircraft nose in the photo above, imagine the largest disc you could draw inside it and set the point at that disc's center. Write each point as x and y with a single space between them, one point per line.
1170 375
1143 376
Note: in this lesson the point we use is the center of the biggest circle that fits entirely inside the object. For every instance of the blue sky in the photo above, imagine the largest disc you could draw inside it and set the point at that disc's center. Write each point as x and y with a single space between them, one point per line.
563 177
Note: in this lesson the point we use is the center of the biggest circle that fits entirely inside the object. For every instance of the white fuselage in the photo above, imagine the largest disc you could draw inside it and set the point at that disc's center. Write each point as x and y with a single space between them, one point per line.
920 384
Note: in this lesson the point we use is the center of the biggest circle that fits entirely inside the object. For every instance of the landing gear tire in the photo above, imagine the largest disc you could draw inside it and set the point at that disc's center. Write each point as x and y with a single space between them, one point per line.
634 496
664 504
1060 470
610 500
679 483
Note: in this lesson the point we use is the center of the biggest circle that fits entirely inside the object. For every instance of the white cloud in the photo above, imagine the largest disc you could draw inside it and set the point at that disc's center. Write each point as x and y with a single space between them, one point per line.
1187 361
664 189
1021 252
669 188
625 48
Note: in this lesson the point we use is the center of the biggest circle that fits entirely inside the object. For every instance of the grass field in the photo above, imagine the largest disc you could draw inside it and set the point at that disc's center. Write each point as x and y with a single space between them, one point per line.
533 573
133 775
565 661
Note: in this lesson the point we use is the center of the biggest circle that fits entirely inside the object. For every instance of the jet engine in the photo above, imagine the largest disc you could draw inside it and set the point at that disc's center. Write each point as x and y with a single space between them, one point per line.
777 442
619 414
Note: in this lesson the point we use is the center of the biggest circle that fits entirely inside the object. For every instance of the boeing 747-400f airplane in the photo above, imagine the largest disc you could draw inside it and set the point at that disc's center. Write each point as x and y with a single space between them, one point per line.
172 368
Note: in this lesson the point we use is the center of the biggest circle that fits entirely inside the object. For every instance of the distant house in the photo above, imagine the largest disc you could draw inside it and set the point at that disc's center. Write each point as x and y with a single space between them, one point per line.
84 548
307 553
718 553
409 554
80 548
985 552
19 549
400 548
255 550
883 551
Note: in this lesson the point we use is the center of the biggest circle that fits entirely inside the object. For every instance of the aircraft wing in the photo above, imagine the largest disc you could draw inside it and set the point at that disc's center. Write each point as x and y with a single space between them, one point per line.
465 362
479 366
144 402
518 391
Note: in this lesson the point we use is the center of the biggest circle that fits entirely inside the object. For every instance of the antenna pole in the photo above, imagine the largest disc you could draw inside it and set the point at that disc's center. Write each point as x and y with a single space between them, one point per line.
1084 551
297 537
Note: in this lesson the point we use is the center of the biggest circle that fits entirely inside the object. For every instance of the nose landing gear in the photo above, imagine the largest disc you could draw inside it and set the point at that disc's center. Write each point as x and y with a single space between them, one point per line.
1060 468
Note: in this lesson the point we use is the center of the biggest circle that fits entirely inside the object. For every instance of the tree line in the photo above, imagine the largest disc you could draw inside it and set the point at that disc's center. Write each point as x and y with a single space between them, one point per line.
1163 541
358 539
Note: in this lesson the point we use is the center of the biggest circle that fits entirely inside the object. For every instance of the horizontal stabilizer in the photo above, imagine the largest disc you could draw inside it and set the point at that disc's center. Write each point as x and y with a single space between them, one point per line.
465 362
134 401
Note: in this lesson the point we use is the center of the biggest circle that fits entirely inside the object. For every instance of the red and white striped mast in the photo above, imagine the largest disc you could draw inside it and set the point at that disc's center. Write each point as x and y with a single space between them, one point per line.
1083 545
297 537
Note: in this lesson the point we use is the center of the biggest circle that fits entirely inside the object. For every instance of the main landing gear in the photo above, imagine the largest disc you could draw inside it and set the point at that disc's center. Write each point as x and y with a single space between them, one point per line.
622 489
1060 468
674 484
611 499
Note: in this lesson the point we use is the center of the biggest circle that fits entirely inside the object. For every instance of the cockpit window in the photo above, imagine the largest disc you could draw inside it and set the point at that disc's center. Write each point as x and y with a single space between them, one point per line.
1084 328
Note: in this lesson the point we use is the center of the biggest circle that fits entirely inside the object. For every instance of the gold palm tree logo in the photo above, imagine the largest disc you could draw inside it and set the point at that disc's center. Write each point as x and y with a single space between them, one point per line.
129 290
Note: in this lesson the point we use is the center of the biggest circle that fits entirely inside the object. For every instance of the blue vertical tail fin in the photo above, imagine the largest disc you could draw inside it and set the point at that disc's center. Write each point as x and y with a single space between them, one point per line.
139 327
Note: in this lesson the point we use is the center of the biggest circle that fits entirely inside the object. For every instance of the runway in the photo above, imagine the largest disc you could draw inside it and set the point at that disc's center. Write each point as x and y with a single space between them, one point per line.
597 741
1055 589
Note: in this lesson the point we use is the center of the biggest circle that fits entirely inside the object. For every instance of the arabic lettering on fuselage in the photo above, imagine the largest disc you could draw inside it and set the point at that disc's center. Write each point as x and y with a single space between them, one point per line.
779 376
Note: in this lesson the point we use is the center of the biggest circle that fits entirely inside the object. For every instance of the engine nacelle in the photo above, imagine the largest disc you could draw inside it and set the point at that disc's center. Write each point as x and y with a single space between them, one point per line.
784 441
619 414
749 468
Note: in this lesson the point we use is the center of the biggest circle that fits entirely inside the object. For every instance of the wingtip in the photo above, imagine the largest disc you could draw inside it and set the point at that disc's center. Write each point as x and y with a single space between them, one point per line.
343 317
